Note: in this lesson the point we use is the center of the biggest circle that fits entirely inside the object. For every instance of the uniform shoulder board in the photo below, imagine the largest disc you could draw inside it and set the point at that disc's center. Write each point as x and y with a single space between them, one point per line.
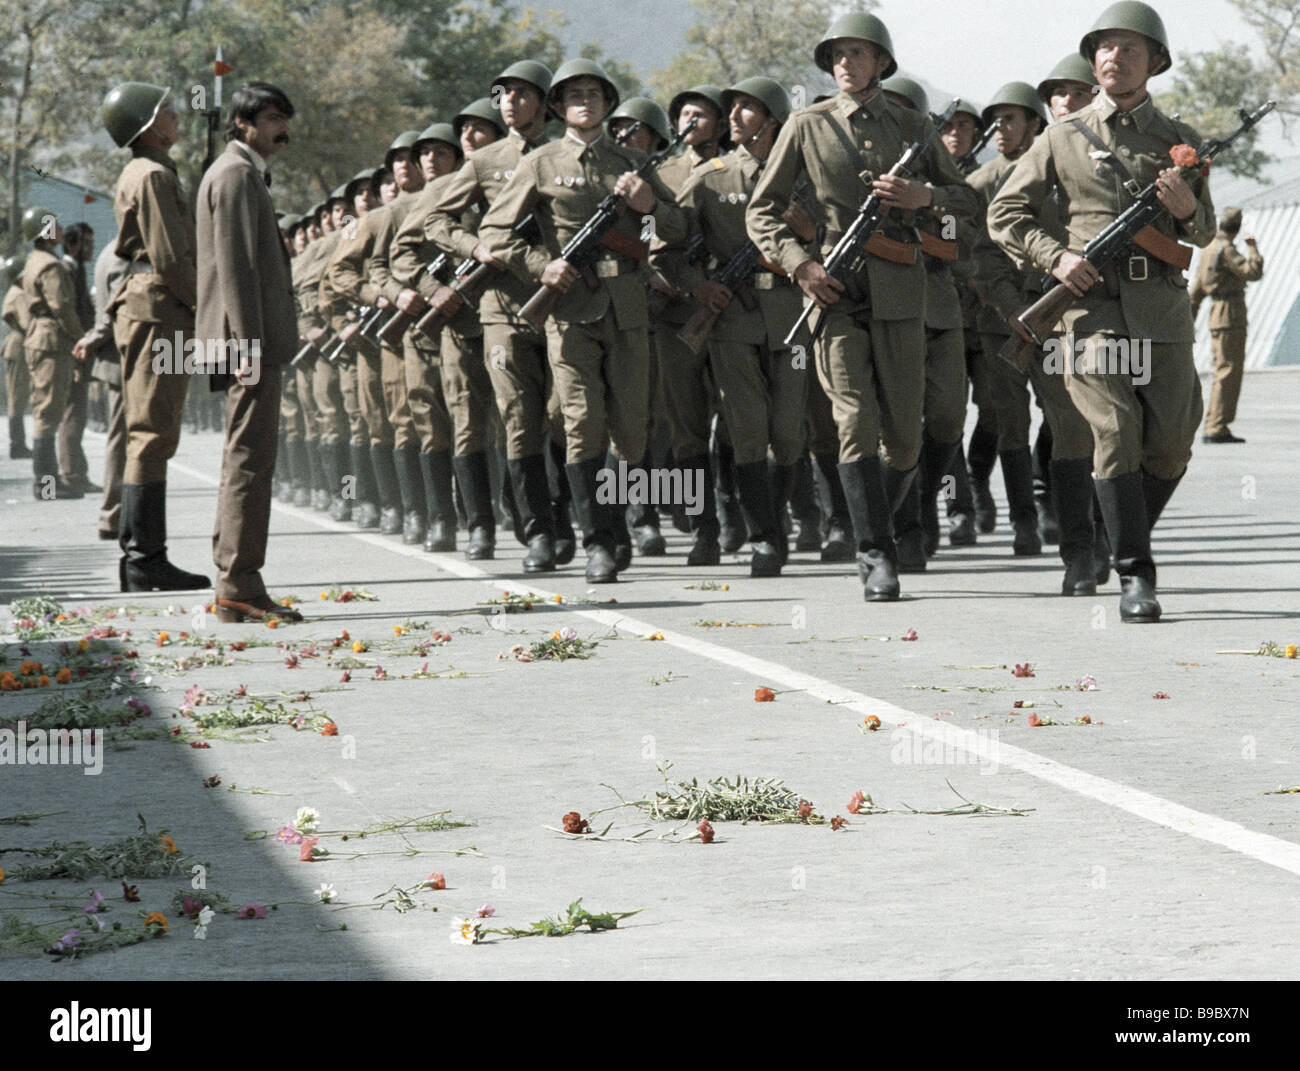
718 163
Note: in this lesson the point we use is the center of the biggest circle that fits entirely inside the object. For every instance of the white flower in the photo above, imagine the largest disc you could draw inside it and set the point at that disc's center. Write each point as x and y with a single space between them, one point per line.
464 931
305 820
206 916
326 894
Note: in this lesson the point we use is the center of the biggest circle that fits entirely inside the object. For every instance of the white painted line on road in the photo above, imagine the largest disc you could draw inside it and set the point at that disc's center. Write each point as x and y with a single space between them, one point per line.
1274 851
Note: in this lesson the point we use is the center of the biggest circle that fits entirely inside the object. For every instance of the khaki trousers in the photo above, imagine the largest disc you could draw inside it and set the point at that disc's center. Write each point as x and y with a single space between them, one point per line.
602 377
1229 366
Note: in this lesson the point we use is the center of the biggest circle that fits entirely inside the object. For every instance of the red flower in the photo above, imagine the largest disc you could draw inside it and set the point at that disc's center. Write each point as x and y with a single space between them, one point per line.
305 849
855 804
1161 695
1035 721
329 729
764 695
1023 671
838 823
1184 156
200 744
805 809
238 645
574 823
871 722
910 634
1018 703
706 832
435 881
347 676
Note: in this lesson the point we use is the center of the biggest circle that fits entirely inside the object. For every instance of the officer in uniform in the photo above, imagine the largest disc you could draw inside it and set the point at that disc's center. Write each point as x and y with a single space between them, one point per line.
871 355
52 328
18 383
1222 275
597 336
760 386
1143 427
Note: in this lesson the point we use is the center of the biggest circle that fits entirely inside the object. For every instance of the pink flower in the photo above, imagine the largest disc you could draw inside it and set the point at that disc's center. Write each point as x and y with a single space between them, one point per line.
288 835
910 634
706 832
435 881
251 911
485 912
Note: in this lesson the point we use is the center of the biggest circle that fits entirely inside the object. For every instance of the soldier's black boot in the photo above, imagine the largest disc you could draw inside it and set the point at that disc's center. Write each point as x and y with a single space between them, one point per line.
46 484
319 489
872 513
594 518
279 476
732 532
1124 507
765 532
644 518
389 490
1073 491
435 472
1157 493
504 493
411 487
18 440
803 504
981 455
780 479
1017 474
303 476
365 510
961 503
936 462
840 541
1101 552
337 461
476 492
1049 524
566 542
143 536
616 519
705 550
533 493
909 534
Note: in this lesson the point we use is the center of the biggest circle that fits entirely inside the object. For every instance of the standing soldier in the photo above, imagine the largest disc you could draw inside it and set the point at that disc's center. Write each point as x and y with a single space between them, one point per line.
871 355
597 339
18 382
516 351
153 307
246 294
1143 427
52 330
78 248
1222 275
760 387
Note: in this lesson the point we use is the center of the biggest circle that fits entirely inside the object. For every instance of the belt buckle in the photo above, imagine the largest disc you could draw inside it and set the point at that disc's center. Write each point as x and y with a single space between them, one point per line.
1133 264
607 268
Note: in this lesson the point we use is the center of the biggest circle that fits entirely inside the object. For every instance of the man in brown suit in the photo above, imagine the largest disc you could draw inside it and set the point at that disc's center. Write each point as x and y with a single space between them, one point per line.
245 305
1222 275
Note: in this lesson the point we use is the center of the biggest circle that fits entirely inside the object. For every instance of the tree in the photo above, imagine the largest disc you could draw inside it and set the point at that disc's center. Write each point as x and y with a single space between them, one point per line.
1208 90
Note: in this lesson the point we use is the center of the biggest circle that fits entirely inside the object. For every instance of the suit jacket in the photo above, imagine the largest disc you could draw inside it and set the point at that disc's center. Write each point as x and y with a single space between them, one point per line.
245 287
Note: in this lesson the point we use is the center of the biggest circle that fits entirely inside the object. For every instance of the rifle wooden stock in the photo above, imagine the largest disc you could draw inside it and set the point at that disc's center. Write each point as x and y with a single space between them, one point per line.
698 328
540 306
444 304
1040 320
392 330
934 246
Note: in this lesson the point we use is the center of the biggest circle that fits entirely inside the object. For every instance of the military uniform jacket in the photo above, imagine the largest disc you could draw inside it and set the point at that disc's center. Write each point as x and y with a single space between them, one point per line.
455 220
304 290
1000 279
245 287
714 200
413 250
330 306
1091 196
676 172
1222 274
52 325
155 232
348 266
564 182
879 132
15 316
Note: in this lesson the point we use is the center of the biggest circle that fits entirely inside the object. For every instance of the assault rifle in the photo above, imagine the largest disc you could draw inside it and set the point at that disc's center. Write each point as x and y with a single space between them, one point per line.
581 249
1133 227
318 346
847 258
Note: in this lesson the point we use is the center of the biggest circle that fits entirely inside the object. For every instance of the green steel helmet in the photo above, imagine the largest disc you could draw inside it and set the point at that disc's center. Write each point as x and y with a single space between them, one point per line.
1073 68
772 94
405 140
34 221
438 132
339 193
965 107
530 71
579 68
862 26
15 265
364 177
1130 15
484 109
130 108
289 221
648 112
910 90
1021 94
711 93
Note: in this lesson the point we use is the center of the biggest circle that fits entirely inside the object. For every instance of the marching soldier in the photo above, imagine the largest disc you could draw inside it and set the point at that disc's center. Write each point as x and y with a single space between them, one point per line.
597 339
1143 427
1222 275
760 387
51 331
871 356
18 382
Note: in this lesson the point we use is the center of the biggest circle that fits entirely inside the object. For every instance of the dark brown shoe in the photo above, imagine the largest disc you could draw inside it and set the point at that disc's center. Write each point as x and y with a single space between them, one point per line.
259 609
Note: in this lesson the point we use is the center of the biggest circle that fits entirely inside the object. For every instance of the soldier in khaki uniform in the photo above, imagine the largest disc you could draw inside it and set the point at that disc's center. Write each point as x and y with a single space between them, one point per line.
52 330
516 352
18 382
1143 419
306 289
871 356
762 391
439 153
597 339
1222 275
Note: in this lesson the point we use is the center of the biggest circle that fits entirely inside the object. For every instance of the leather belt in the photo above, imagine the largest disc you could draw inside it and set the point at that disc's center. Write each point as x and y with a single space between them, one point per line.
613 267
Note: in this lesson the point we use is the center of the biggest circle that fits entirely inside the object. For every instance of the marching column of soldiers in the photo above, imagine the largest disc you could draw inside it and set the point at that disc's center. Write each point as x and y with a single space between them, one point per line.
522 314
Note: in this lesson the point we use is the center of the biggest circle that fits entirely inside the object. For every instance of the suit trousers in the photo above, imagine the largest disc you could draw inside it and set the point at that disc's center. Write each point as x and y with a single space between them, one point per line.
244 497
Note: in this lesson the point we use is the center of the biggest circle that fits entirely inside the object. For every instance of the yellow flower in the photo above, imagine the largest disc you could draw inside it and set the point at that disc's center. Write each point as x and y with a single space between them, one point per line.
657 636
163 637
398 630
168 845
556 634
83 645
1290 650
358 646
2 875
726 587
324 595
156 918
558 598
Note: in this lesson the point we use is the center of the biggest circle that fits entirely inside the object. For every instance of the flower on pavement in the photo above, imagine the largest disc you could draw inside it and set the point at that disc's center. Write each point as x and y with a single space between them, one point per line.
251 911
485 912
326 894
574 823
706 832
464 931
435 881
